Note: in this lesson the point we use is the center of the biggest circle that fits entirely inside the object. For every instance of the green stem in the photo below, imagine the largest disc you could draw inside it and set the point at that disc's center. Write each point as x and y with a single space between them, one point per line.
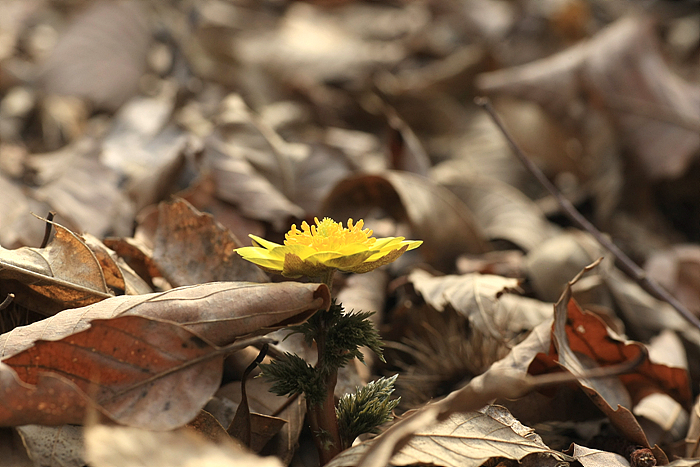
322 417
327 278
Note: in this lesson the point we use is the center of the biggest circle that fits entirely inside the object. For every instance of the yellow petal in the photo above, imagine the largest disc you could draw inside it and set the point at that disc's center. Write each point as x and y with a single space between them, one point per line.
264 243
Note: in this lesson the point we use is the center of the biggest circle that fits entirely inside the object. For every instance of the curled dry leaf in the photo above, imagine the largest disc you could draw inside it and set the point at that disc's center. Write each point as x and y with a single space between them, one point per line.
139 371
621 69
66 274
192 248
118 275
503 212
435 215
137 254
238 182
594 458
482 300
581 341
219 312
463 439
108 446
270 435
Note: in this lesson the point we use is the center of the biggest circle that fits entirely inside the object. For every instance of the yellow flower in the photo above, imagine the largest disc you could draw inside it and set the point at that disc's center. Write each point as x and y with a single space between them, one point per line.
317 249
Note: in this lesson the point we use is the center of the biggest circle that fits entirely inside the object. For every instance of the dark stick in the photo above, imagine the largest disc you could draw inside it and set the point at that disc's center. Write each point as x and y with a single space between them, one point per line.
8 300
626 264
47 231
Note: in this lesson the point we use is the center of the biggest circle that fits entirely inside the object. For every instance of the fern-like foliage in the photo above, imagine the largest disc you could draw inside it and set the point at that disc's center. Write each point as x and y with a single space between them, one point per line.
292 375
367 409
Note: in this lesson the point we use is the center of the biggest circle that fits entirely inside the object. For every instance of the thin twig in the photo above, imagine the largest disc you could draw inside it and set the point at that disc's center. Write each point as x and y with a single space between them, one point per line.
47 230
626 264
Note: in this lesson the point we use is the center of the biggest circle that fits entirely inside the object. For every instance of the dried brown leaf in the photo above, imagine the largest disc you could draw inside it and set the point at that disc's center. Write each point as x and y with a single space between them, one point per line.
264 404
209 427
502 211
192 248
66 272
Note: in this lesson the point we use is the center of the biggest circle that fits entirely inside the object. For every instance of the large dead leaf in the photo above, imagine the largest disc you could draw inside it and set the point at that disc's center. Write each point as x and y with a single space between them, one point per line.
66 272
139 371
192 248
482 300
435 215
505 379
101 56
463 439
623 71
219 312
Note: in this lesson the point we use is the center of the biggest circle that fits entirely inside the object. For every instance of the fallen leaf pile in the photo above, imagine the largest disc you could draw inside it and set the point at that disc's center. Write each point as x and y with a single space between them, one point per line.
142 142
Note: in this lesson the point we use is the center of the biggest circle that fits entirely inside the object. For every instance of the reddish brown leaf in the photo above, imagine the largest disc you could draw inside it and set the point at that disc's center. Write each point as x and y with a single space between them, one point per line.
139 371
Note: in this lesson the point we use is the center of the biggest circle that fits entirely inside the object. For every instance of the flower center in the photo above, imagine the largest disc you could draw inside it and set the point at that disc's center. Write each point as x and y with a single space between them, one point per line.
328 235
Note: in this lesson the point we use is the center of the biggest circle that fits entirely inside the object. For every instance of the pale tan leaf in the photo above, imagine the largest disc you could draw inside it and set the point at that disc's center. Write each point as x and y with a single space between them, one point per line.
485 300
504 379
107 446
463 439
594 458
49 446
